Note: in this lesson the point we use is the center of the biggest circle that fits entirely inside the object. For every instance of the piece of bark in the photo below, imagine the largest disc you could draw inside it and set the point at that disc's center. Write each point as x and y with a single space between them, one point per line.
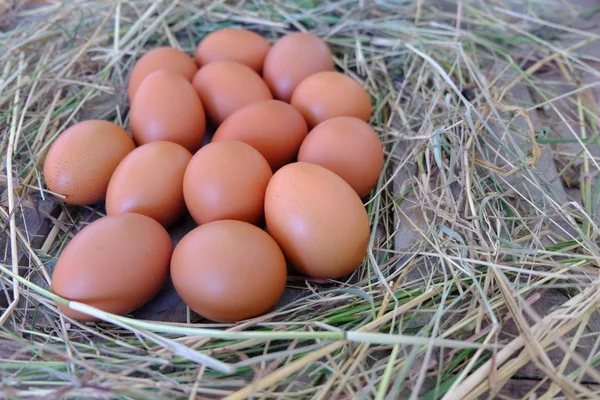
32 220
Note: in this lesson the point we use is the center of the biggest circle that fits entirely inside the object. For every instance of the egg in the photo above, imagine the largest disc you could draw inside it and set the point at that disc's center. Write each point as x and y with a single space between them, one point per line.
167 108
226 86
347 146
228 271
226 180
331 94
149 181
239 45
272 127
317 219
82 159
293 58
162 58
116 264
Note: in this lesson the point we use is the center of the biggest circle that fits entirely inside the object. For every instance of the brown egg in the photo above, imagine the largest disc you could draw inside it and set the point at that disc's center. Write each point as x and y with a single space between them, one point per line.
331 94
168 109
347 146
226 86
162 58
149 181
228 271
293 58
317 219
226 180
116 264
272 127
239 45
81 161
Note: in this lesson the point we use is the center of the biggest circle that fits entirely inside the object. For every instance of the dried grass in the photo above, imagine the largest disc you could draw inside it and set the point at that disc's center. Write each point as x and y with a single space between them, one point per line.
450 315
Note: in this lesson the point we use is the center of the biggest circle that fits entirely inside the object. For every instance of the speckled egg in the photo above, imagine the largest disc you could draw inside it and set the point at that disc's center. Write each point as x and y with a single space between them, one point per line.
149 181
167 108
272 127
317 219
226 86
226 180
162 58
82 159
228 271
116 264
327 95
347 146
239 45
293 58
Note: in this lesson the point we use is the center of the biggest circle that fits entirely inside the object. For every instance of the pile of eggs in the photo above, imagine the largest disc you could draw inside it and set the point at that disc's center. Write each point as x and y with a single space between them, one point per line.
292 152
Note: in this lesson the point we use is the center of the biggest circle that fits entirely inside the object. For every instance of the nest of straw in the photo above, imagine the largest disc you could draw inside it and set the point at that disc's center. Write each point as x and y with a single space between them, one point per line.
481 212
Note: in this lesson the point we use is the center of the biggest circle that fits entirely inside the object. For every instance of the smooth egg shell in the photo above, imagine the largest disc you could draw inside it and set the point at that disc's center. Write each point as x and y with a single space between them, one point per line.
162 58
228 271
327 95
317 219
116 264
272 127
239 45
149 181
226 86
293 58
347 146
226 180
82 159
167 108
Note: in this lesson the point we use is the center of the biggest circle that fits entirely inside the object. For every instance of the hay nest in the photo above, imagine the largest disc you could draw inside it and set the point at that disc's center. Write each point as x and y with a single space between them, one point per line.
485 213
